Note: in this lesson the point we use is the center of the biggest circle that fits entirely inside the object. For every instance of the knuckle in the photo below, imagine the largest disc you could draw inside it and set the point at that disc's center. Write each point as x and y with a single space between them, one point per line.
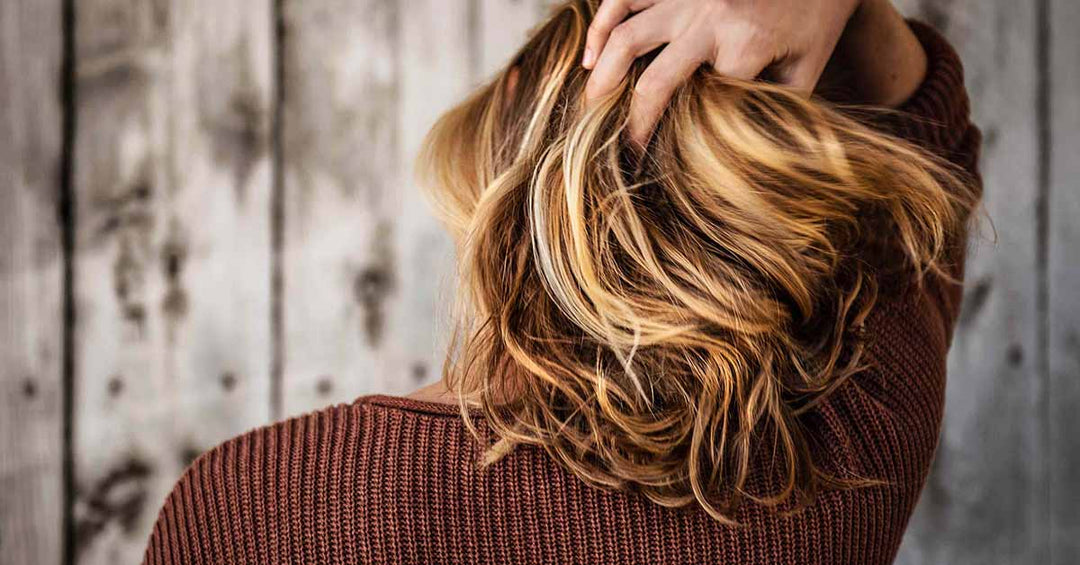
756 34
600 26
648 86
643 88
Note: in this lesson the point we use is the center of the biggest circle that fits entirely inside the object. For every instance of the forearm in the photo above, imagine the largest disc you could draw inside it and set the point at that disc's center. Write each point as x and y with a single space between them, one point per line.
878 60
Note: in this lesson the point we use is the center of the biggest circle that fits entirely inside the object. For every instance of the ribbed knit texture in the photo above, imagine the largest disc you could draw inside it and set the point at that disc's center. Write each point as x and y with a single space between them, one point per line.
392 480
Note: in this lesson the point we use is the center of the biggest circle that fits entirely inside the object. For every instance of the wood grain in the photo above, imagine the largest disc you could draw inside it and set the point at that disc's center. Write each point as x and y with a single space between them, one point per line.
985 501
1062 116
438 62
31 283
368 272
341 165
173 243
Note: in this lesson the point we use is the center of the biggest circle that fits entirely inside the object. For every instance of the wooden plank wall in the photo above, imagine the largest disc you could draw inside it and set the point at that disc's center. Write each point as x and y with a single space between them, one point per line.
223 198
1061 225
341 168
31 283
172 183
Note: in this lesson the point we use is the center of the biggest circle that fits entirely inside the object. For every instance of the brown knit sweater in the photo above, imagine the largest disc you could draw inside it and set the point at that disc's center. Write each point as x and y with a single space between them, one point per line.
391 480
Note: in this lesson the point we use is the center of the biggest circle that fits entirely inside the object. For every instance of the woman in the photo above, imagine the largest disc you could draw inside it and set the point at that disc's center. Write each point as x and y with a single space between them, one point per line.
704 317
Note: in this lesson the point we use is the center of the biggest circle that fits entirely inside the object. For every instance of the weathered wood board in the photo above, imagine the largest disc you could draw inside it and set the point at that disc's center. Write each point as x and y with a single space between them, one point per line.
31 283
1062 116
437 70
172 181
985 501
367 271
341 162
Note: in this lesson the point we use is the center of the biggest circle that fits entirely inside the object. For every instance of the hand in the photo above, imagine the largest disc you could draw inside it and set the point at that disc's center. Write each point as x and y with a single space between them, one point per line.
740 38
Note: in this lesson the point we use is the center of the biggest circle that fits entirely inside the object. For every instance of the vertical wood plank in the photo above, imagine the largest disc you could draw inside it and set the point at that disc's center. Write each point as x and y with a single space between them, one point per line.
985 500
341 158
173 245
367 270
438 59
1063 206
31 283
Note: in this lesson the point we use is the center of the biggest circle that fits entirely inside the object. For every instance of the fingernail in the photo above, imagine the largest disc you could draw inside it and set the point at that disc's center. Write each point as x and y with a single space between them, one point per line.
587 60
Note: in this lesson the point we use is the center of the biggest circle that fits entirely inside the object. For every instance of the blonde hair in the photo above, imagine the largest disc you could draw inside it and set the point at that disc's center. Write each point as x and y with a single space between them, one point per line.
651 320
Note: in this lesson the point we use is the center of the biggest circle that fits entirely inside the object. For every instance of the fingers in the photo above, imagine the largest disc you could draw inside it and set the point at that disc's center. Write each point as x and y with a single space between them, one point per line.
740 55
629 40
657 84
609 15
674 66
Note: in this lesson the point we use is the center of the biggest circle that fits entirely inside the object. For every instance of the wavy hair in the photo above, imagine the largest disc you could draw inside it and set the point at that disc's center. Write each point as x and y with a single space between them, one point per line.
660 322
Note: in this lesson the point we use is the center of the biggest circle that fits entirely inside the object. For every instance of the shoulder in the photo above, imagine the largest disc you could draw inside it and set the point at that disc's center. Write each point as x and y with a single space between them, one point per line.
937 116
211 514
270 495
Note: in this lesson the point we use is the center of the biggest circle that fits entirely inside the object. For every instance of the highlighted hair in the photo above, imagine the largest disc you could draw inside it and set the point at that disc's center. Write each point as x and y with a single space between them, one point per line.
660 323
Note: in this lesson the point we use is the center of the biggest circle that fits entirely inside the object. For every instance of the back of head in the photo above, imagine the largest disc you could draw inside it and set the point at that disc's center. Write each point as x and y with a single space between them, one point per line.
660 321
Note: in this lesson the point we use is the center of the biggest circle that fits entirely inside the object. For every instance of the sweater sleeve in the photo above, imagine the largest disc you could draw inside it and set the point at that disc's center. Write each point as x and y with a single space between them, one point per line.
261 497
937 118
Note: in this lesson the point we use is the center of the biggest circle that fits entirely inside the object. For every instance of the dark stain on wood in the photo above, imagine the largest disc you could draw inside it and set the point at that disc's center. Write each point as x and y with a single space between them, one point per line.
234 113
160 14
108 75
372 285
324 386
127 284
29 388
188 454
991 136
173 257
228 381
129 221
975 301
375 282
419 371
1015 355
135 315
115 386
119 497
